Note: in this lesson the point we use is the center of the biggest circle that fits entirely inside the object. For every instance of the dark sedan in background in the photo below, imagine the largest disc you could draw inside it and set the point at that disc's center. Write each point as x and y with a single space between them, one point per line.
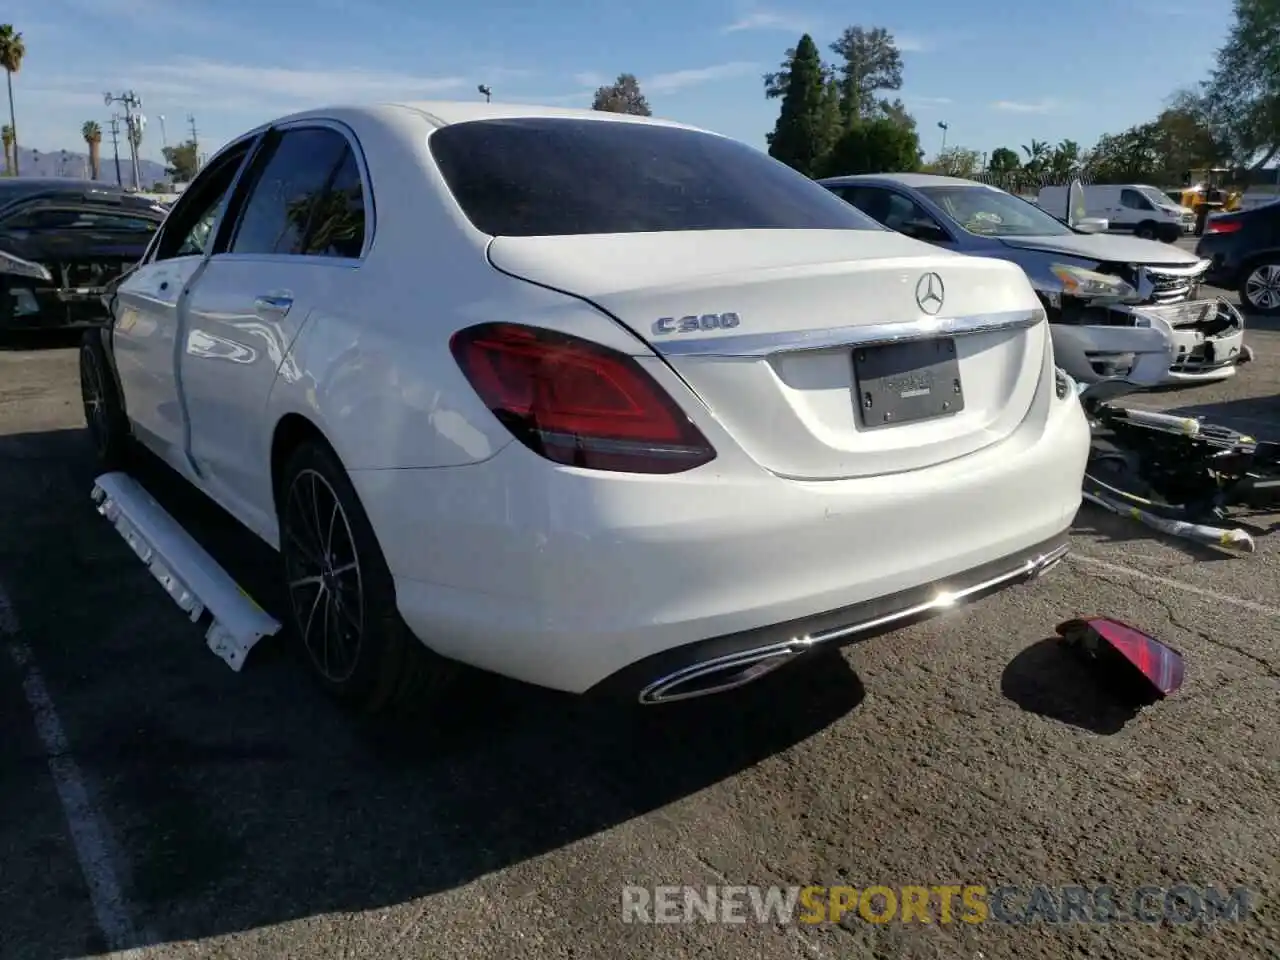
61 243
1243 248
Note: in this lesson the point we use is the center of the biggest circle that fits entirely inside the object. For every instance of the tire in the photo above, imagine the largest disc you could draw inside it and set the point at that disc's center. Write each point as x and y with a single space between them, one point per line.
364 655
1170 233
1146 230
1260 287
103 408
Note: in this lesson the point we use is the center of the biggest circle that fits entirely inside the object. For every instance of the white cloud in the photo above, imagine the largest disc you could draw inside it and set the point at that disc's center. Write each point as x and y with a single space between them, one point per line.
200 78
590 79
927 101
1019 106
907 43
770 20
681 79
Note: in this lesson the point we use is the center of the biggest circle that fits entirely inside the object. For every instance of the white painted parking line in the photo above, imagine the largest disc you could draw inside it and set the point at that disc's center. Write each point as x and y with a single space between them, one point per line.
88 834
1181 585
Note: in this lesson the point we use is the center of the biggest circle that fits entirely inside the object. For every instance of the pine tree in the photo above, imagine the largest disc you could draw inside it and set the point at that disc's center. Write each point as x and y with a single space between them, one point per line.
803 134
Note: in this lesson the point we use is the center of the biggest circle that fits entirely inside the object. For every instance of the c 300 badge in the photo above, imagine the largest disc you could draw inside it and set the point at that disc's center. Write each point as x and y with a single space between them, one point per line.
696 322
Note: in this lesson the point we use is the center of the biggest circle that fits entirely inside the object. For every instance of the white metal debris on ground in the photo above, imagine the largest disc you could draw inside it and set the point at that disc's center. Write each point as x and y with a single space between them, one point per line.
192 578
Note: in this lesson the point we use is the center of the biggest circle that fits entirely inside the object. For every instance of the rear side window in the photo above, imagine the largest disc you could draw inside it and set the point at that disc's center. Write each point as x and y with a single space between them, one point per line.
529 177
306 199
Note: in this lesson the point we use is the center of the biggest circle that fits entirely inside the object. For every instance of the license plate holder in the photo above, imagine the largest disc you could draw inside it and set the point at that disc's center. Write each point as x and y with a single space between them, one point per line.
897 383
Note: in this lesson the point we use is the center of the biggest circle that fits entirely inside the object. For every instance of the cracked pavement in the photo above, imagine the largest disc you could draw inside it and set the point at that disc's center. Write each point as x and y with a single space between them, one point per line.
246 816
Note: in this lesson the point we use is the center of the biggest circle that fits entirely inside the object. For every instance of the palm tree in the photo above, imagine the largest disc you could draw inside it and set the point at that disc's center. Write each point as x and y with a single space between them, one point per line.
92 134
6 134
12 50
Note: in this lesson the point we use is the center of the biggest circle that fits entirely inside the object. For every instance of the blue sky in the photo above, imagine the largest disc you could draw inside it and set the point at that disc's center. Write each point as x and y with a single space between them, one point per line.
998 73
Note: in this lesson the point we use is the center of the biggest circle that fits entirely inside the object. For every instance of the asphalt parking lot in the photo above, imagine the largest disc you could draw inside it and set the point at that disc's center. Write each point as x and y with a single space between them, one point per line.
151 798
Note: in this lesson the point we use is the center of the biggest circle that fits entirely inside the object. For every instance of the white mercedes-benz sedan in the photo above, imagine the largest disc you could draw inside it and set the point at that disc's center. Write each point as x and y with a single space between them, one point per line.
602 403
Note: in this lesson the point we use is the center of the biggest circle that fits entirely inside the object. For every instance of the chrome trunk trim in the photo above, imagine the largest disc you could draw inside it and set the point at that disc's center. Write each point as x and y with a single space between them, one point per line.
827 338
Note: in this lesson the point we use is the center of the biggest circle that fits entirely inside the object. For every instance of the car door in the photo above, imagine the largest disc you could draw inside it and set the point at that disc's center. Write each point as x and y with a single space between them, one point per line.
149 300
297 233
1134 207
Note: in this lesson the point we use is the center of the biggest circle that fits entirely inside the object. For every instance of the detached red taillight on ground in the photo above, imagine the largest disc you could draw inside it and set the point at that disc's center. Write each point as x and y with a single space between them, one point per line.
1128 656
1223 226
576 402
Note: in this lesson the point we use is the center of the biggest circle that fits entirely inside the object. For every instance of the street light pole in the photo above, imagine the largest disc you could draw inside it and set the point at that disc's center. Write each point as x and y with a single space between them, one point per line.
944 127
485 89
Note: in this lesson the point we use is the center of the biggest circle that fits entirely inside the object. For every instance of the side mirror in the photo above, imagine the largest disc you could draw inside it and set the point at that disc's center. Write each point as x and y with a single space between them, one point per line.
1092 225
924 230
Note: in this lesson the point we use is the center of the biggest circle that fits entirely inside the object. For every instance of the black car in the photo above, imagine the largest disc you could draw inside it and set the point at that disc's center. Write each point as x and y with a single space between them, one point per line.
61 243
1244 253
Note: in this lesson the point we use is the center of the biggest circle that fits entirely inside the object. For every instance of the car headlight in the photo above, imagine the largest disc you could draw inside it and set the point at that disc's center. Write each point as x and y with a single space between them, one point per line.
1089 284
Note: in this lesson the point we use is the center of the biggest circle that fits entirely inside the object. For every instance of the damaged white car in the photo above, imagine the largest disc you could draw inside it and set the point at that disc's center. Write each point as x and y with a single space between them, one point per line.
1118 306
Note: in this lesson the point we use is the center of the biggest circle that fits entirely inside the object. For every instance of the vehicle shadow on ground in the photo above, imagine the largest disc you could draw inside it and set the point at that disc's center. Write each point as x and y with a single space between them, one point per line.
1258 417
1051 681
245 800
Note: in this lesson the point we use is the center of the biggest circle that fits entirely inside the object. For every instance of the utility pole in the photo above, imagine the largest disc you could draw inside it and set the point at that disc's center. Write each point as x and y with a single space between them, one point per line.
133 124
195 142
944 127
115 146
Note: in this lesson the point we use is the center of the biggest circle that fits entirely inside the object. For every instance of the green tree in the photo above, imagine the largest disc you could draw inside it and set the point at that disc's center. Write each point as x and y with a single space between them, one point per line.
1243 93
1004 160
802 137
1038 152
1064 159
92 134
869 62
878 145
622 96
180 162
12 53
1128 157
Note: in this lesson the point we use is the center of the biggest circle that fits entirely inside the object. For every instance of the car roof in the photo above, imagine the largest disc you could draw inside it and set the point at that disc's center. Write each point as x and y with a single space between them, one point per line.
904 179
443 113
16 190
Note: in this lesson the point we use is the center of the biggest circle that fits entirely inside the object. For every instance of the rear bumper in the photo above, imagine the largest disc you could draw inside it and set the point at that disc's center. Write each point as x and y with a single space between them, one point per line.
723 663
565 578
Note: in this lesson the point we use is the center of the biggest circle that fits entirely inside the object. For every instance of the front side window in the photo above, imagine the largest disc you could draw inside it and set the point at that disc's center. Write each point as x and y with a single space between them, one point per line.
550 176
188 228
1134 200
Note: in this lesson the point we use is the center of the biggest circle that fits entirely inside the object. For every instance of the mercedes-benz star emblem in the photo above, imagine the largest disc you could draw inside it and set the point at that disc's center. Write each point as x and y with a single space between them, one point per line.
930 292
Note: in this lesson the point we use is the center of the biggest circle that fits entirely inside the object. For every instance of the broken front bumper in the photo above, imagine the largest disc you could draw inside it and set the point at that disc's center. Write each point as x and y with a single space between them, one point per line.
30 297
1193 341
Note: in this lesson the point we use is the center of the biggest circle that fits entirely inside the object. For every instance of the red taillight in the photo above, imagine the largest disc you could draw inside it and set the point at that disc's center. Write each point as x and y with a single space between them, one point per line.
576 402
1223 226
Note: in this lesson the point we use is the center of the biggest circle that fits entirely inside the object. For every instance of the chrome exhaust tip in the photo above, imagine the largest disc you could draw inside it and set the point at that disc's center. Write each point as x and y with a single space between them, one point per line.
705 679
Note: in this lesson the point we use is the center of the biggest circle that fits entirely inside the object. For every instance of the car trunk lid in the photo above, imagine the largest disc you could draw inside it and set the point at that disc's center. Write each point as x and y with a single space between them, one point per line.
812 348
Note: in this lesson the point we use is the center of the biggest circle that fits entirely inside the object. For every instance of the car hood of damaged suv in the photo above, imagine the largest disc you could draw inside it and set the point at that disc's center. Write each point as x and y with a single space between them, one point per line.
1107 248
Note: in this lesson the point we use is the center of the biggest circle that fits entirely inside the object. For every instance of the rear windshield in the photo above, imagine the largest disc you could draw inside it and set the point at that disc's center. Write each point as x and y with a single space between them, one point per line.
531 177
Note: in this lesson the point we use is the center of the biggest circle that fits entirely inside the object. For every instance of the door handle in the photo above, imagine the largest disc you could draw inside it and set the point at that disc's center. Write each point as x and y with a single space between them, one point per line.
273 304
